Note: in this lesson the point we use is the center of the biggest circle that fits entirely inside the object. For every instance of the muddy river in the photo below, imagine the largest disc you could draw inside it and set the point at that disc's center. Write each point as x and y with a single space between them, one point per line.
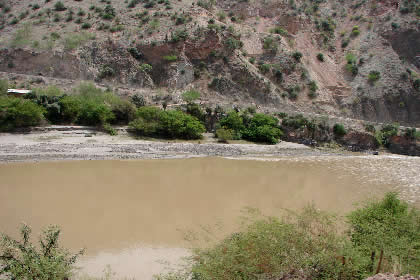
139 216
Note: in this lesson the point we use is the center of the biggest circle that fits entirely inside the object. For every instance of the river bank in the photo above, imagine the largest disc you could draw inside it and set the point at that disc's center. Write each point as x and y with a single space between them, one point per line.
85 143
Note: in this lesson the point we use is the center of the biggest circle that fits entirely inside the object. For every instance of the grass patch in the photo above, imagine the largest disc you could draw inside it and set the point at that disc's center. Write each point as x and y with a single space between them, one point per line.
75 40
191 95
22 37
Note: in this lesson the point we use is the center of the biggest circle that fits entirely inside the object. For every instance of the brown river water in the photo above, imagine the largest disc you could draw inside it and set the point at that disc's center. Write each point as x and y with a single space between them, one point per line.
139 216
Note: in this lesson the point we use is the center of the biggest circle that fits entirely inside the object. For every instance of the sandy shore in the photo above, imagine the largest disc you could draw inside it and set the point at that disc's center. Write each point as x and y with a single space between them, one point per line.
82 143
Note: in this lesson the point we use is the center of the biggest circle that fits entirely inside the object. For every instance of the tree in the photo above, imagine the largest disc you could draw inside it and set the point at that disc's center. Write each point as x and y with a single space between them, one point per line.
16 113
391 227
263 128
151 121
25 261
234 122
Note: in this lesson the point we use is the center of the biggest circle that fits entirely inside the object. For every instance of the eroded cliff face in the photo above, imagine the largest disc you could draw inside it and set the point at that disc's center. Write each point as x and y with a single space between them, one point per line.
242 53
31 62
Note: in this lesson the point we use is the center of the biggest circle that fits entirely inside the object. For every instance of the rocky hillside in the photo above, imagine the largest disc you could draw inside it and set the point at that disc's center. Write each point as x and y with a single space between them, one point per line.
354 59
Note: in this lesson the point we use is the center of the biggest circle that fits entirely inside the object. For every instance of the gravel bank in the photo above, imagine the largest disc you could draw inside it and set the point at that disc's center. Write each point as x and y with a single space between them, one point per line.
78 143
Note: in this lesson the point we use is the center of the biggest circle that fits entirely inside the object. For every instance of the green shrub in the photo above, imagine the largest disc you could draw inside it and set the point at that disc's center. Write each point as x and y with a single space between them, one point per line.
138 100
224 135
374 76
179 35
109 129
295 122
153 122
81 12
328 25
133 3
51 90
234 122
195 110
395 25
4 86
297 56
85 112
389 226
233 43
86 25
279 30
17 113
59 6
270 44
345 43
264 68
170 58
135 53
351 58
123 110
339 130
116 28
106 72
320 57
108 13
257 128
353 69
191 95
20 259
89 105
386 133
370 128
355 32
410 133
351 65
416 84
313 87
221 15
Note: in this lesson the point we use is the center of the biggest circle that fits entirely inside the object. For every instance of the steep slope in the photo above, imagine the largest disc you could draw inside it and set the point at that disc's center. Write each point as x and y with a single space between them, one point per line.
357 59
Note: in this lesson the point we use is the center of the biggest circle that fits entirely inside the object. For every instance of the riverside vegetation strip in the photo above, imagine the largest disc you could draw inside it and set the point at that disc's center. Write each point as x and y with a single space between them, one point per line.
89 105
381 236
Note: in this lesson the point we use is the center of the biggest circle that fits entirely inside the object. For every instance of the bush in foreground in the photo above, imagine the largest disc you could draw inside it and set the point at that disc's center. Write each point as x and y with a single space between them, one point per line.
302 246
308 245
389 232
23 260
